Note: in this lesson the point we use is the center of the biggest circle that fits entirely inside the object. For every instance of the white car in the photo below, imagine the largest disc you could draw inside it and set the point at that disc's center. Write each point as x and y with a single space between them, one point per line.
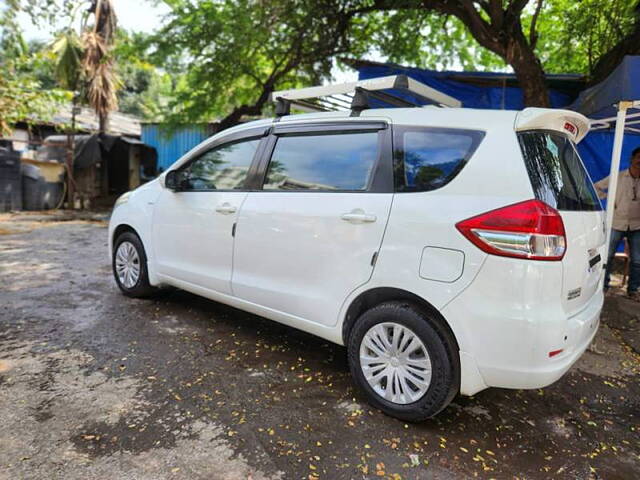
450 250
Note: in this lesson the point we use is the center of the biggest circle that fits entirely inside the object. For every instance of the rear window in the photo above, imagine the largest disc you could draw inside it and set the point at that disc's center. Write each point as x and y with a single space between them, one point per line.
428 158
556 171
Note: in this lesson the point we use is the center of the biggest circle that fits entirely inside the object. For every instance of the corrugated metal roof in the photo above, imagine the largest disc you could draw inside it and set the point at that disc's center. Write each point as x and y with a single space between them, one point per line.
87 120
172 146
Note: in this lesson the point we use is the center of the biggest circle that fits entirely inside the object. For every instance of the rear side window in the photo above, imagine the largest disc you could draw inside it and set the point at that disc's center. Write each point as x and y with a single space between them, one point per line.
331 162
428 158
556 171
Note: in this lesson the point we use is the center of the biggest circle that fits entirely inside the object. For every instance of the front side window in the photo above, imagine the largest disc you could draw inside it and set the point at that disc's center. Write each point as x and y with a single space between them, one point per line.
221 168
428 158
332 162
556 171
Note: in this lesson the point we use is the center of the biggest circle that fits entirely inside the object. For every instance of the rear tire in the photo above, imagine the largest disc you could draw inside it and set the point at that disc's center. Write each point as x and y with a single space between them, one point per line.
129 264
385 372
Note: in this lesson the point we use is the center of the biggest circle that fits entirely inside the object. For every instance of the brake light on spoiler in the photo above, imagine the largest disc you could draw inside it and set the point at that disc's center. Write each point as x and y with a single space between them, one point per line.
530 230
571 128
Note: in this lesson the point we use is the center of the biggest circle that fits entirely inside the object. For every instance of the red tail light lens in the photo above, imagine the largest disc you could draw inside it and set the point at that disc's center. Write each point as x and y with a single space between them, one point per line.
531 230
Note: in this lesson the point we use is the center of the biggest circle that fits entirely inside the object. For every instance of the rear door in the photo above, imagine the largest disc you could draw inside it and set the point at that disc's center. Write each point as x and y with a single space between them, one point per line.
560 179
310 236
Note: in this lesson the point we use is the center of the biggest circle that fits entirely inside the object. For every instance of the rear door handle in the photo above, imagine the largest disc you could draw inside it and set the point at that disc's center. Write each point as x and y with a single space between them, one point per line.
226 209
358 216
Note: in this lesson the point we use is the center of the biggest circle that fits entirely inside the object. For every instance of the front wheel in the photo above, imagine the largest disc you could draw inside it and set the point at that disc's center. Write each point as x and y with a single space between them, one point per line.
130 266
404 361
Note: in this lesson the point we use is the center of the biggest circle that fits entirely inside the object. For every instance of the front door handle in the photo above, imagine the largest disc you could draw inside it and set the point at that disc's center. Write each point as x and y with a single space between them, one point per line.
358 216
226 209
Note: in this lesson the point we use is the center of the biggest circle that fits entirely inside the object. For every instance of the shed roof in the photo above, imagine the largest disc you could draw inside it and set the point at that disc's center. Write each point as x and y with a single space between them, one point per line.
87 120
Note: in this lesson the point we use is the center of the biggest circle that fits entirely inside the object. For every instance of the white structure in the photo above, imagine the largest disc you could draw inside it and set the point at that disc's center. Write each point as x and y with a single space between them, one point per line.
393 90
624 121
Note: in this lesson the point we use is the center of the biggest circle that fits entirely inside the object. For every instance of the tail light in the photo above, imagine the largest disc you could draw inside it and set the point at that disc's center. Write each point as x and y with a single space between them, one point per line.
531 230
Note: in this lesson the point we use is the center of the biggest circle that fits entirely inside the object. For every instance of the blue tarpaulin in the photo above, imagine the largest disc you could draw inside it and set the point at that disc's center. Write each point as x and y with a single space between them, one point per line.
598 102
476 89
622 84
500 91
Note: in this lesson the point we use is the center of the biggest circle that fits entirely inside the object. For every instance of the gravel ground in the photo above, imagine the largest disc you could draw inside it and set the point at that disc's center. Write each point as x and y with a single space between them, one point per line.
97 385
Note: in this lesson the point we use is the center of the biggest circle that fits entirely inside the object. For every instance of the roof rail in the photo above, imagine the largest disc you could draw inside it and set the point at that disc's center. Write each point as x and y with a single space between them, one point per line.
392 90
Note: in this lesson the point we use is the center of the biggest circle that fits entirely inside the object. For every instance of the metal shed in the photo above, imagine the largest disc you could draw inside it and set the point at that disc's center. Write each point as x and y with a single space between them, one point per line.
172 144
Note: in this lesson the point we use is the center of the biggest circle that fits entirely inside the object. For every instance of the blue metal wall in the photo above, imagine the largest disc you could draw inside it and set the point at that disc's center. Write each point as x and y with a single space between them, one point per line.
172 146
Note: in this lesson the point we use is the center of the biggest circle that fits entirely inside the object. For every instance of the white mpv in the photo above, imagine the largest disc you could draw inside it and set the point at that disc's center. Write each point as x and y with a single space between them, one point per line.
450 250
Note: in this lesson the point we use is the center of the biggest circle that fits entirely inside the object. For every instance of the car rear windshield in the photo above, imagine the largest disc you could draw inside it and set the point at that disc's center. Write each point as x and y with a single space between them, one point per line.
428 158
556 172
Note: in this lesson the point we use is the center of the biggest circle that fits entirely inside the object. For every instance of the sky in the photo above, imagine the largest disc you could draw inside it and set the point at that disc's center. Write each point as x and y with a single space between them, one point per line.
136 15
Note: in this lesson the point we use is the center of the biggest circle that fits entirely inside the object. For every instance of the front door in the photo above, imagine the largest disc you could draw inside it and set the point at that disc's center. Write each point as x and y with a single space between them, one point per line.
193 226
310 237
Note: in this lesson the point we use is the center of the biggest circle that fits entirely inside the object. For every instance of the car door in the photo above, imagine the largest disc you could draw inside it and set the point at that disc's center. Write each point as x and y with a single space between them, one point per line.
311 235
193 225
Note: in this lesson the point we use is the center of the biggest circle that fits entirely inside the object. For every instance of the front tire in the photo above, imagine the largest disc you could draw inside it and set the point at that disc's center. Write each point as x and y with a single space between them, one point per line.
404 361
129 266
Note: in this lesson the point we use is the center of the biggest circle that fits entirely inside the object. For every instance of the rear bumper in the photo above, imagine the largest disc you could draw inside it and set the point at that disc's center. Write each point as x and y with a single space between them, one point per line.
582 329
509 320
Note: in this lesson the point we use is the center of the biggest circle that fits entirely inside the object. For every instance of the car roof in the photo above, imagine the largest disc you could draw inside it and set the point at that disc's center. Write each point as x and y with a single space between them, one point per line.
423 116
436 117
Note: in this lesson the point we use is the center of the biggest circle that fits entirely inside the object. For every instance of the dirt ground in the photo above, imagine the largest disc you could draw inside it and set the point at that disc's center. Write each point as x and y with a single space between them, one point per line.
97 385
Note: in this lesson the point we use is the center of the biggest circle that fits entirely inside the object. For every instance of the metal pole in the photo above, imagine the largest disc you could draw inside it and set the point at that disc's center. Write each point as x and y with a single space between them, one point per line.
615 168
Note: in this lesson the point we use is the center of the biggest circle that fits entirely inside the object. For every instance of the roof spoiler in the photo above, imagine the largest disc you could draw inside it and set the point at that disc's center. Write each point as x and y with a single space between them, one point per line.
573 124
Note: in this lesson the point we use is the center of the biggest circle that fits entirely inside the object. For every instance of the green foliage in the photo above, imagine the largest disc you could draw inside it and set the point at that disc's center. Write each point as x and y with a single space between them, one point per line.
234 52
68 51
146 89
22 97
217 59
427 40
575 34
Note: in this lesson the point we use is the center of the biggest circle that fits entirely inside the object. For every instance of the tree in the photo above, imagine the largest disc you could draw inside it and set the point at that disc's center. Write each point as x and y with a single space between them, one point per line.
225 58
97 61
597 33
22 97
235 52
145 89
85 64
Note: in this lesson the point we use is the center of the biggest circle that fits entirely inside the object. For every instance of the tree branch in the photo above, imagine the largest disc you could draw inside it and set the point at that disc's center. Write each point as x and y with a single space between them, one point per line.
629 45
533 35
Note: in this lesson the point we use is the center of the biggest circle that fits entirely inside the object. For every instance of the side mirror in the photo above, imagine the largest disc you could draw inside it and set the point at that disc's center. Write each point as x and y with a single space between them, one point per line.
171 180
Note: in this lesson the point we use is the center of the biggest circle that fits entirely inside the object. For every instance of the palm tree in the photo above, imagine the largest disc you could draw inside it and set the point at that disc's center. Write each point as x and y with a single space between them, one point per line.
85 66
97 62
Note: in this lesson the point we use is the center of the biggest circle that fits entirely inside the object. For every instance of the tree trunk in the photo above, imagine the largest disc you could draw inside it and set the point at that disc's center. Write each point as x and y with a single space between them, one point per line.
103 123
497 26
529 73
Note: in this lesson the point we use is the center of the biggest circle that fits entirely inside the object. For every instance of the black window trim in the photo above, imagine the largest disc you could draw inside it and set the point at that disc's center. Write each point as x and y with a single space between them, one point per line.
256 133
398 158
380 182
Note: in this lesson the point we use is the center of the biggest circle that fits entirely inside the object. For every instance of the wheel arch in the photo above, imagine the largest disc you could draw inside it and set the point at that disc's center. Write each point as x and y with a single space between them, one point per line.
376 296
122 228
